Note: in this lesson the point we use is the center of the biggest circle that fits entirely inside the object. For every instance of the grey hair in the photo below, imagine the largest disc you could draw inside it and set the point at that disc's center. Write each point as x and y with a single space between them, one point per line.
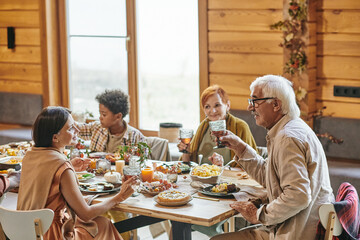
280 88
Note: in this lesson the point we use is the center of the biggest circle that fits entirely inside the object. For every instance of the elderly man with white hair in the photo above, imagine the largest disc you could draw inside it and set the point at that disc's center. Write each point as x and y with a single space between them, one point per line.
295 174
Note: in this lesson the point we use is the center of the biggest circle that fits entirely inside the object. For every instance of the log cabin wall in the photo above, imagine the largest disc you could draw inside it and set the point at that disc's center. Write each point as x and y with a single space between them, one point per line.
241 45
22 72
20 68
338 55
235 39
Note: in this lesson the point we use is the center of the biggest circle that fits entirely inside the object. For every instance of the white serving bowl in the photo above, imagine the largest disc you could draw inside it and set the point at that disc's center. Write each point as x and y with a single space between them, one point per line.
209 180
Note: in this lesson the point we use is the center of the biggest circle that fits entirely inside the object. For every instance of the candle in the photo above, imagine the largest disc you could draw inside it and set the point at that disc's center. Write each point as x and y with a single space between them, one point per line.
119 165
147 174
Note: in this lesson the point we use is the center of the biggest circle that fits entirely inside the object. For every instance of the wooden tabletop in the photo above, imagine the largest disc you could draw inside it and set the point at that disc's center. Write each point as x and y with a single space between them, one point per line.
198 211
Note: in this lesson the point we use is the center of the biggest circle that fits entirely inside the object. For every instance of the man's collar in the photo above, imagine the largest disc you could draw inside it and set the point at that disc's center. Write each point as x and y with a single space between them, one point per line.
278 126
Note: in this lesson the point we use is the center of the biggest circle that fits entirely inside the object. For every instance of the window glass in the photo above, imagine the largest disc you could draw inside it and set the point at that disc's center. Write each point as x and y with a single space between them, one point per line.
168 62
94 17
96 64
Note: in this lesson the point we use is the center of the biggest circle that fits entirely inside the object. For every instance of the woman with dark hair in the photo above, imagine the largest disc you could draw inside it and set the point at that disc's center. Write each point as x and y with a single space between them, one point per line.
48 181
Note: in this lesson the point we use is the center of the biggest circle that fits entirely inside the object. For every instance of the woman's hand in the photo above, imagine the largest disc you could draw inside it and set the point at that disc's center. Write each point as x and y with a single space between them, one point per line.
14 180
126 189
233 142
247 209
80 164
216 159
183 147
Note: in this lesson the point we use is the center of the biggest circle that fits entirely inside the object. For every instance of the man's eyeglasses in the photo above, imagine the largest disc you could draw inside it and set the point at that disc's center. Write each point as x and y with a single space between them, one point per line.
253 103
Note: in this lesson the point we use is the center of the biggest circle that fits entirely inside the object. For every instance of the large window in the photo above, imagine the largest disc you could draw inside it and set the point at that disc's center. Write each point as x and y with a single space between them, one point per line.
97 50
167 57
168 62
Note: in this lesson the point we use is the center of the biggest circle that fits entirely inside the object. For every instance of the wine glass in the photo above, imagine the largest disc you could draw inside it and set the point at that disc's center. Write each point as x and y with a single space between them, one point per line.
185 136
218 129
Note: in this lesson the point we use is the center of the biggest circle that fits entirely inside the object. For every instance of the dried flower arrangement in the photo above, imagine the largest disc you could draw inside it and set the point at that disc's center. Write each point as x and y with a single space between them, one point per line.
293 28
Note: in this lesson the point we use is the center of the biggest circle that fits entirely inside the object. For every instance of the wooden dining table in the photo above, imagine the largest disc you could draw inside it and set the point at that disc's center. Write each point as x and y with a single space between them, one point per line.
201 210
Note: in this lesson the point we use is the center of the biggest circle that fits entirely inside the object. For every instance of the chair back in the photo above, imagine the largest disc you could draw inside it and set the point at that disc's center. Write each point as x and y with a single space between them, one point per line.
19 225
159 148
330 221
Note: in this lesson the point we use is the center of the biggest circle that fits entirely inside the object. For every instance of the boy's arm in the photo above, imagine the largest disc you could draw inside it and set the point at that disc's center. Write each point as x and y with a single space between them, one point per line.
85 130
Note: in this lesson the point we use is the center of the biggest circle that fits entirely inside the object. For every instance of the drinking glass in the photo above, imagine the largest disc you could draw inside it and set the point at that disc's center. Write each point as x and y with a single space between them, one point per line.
147 174
133 169
185 137
218 129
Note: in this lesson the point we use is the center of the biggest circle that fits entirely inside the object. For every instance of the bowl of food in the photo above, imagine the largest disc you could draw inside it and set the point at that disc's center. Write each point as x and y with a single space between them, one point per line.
206 173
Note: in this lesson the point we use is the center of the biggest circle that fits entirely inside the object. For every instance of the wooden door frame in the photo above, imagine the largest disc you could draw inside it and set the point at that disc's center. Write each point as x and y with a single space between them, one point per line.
203 50
54 52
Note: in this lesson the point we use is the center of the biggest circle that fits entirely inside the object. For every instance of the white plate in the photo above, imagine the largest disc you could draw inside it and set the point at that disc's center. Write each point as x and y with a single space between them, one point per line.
173 204
98 154
84 179
144 190
99 188
5 159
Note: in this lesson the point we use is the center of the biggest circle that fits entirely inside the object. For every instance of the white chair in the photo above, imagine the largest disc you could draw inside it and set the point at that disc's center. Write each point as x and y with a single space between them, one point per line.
32 224
330 221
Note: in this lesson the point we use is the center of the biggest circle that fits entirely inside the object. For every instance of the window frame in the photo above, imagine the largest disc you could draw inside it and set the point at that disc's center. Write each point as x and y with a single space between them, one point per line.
58 18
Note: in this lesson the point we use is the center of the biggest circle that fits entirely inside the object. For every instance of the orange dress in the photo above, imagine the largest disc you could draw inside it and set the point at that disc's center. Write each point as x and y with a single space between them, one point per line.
40 188
99 226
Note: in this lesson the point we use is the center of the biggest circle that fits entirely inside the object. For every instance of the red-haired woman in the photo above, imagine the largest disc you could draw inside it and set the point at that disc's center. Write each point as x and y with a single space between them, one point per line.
216 105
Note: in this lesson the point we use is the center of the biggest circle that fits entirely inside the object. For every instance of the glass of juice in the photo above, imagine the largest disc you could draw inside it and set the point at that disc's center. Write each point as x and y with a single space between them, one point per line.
147 174
185 136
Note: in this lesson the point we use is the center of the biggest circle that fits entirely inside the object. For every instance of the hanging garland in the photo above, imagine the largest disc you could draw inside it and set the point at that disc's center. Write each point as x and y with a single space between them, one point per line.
293 28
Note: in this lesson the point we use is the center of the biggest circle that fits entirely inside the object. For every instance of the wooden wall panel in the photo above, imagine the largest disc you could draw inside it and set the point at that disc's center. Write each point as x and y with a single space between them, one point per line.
20 54
19 19
311 56
245 42
241 45
338 44
341 109
338 67
23 36
307 106
245 4
238 102
19 4
234 84
245 63
326 90
30 72
336 4
338 21
21 86
244 20
338 52
20 68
